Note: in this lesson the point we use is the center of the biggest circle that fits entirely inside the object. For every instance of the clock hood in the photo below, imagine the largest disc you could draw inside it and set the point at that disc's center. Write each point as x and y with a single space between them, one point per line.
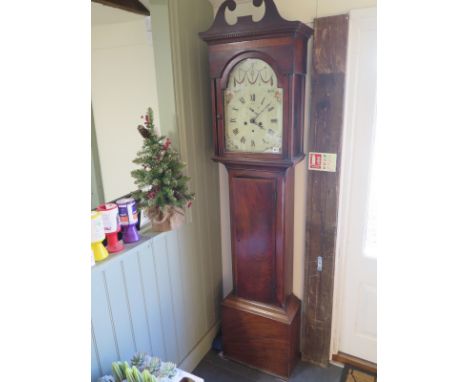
272 24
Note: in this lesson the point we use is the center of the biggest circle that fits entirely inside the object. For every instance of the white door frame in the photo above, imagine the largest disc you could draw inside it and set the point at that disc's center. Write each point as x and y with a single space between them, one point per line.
345 186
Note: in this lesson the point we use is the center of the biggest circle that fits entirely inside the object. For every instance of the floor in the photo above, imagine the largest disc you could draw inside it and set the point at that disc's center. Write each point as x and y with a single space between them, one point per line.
213 368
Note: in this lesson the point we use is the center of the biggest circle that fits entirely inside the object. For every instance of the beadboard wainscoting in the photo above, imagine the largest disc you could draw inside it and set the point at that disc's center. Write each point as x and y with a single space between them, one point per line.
159 297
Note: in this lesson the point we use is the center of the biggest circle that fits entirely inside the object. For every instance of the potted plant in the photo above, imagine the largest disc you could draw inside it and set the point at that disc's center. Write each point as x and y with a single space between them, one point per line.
142 368
162 186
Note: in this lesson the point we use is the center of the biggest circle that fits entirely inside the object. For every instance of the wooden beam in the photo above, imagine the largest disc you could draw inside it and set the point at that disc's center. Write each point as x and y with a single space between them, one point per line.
325 132
127 5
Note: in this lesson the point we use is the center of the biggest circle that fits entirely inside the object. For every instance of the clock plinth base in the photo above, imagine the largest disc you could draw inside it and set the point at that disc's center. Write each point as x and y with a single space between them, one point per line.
262 336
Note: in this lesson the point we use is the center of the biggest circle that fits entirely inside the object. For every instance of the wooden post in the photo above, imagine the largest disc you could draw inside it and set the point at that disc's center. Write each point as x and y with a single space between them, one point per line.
328 86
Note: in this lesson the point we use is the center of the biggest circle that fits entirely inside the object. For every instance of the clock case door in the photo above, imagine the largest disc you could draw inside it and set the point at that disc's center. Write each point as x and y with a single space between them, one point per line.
262 207
285 56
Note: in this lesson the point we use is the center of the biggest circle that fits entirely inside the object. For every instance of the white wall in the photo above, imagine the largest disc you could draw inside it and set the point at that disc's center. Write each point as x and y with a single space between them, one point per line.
305 11
123 86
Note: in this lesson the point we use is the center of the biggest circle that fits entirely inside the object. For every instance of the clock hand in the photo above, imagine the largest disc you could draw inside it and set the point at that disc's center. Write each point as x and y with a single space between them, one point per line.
259 124
266 107
253 111
254 120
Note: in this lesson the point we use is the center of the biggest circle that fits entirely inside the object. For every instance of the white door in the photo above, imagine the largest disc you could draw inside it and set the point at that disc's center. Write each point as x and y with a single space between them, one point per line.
355 305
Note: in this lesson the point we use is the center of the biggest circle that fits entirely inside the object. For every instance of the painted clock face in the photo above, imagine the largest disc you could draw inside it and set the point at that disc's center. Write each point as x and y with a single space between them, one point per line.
253 109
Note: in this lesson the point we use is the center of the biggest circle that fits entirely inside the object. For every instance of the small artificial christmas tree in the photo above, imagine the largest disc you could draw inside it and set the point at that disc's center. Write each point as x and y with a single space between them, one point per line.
162 186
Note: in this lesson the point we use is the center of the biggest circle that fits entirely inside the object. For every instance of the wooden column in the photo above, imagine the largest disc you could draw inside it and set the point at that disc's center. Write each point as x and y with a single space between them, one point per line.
328 86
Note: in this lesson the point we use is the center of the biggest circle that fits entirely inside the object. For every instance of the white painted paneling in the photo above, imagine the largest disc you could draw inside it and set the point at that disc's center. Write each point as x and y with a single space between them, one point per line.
148 299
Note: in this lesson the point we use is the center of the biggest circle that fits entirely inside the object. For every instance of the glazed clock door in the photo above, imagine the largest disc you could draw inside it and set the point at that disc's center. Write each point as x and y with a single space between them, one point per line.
253 109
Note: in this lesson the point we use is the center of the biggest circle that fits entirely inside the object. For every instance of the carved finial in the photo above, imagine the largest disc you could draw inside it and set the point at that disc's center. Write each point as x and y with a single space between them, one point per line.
271 12
220 19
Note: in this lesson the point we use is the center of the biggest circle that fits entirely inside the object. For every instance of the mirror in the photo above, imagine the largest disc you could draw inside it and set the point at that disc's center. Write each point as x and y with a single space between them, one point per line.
123 86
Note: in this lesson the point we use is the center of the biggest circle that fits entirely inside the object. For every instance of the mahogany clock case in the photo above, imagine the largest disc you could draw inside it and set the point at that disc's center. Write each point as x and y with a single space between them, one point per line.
261 317
262 205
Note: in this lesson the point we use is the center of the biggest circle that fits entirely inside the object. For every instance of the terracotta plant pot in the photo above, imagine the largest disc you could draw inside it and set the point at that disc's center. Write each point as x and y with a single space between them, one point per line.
169 219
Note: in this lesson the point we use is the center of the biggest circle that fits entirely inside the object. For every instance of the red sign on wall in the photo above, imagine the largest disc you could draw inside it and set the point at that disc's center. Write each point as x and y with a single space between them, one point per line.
322 162
315 161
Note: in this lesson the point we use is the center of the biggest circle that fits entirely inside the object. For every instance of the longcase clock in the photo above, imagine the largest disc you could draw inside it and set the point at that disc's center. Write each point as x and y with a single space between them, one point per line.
257 72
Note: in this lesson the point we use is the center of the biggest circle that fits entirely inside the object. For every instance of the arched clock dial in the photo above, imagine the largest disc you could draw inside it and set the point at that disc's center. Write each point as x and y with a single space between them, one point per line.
253 109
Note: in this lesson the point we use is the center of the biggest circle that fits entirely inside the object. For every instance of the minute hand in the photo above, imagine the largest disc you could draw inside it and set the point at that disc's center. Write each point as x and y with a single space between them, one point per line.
266 107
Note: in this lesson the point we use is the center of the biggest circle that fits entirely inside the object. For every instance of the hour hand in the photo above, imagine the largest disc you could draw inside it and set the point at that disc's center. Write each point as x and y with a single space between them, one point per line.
259 124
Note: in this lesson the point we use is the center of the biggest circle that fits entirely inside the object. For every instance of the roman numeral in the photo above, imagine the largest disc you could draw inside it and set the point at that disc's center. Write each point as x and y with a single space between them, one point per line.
233 120
235 109
271 108
252 143
235 131
242 140
242 99
263 100
252 97
274 120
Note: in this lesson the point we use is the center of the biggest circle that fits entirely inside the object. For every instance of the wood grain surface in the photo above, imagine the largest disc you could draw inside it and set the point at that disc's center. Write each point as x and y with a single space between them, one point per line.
327 102
261 336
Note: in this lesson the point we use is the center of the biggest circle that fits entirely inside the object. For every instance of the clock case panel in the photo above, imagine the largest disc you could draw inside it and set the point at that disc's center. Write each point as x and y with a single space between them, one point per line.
262 226
286 56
